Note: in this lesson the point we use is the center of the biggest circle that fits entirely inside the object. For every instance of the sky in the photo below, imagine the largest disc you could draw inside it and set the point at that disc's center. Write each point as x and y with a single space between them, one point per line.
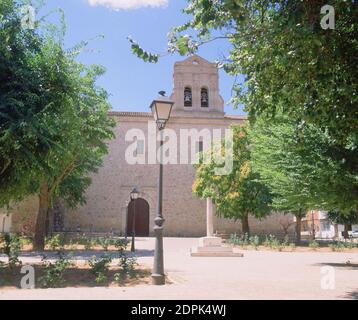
131 83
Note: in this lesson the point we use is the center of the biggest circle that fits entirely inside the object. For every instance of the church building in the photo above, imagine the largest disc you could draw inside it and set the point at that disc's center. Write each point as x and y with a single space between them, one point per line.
198 108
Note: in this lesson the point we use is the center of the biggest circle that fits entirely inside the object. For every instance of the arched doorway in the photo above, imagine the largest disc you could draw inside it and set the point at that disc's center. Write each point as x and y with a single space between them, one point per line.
141 208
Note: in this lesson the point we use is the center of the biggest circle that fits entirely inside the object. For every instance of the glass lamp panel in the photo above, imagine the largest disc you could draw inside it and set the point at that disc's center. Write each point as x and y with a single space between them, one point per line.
163 110
134 194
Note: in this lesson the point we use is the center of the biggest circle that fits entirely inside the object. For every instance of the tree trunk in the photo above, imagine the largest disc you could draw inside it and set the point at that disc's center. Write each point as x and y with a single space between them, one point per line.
245 225
347 227
298 228
40 228
50 220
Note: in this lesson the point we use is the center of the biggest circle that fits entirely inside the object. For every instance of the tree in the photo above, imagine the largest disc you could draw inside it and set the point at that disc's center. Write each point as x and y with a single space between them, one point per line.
291 65
237 194
295 164
23 98
53 118
80 148
347 220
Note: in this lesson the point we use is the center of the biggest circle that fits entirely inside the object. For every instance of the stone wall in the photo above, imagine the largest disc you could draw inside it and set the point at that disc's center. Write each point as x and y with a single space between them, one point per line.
22 215
184 213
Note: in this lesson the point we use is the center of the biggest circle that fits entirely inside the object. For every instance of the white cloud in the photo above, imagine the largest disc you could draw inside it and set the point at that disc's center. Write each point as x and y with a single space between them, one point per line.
128 4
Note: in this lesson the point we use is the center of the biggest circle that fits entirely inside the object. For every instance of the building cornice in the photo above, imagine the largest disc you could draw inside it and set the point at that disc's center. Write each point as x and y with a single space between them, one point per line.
130 114
133 114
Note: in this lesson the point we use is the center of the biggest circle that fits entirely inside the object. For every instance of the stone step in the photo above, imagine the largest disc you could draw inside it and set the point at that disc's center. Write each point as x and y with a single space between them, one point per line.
210 242
214 252
214 249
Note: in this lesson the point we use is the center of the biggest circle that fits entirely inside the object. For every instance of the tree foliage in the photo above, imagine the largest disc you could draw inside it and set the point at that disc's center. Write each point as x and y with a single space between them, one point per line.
239 193
297 166
53 117
343 218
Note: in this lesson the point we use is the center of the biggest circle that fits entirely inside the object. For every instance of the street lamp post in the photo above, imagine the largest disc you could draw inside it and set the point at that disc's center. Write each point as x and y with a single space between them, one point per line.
126 226
134 197
161 109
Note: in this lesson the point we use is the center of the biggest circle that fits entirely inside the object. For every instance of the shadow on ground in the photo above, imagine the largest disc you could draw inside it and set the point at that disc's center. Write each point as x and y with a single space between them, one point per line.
347 265
352 295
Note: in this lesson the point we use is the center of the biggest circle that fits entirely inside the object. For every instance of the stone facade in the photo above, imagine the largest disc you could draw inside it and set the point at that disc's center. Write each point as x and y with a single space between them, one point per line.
184 213
20 217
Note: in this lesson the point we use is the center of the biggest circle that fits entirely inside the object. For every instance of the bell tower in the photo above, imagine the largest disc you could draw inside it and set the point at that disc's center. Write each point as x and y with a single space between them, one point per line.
196 89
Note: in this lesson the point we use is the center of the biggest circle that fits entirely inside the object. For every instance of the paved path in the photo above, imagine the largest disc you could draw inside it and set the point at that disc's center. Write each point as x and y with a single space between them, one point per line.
258 275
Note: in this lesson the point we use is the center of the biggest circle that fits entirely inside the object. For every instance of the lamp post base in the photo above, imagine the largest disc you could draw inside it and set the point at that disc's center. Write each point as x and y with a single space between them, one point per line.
158 279
158 267
133 245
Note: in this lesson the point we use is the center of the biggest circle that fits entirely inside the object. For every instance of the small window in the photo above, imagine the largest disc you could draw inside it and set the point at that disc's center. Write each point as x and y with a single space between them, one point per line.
204 98
188 98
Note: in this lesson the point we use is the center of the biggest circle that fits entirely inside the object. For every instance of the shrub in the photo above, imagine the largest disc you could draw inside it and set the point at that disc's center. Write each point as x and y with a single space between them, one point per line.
11 247
233 239
100 267
24 240
340 245
126 262
254 241
313 244
104 243
337 246
101 277
54 273
243 240
72 245
272 242
89 243
56 242
118 277
286 241
350 244
121 244
82 240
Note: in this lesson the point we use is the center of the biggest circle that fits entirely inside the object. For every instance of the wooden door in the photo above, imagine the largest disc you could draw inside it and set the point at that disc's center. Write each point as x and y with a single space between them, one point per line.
140 208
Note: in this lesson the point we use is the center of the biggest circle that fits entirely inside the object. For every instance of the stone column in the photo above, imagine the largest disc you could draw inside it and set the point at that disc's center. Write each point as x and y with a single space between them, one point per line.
209 218
211 246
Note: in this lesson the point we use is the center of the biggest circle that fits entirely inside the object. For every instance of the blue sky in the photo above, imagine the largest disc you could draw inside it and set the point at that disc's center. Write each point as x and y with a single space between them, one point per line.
131 83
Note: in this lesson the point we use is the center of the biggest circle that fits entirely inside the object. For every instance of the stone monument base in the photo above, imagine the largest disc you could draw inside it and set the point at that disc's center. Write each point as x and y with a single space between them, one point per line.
212 247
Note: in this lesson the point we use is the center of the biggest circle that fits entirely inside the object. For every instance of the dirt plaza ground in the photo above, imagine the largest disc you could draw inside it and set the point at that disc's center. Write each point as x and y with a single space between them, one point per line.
257 275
